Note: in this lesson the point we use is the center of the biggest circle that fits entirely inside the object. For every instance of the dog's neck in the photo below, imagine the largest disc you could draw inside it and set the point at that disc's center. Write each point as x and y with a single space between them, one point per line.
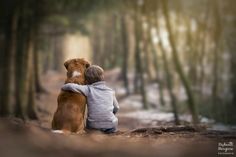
76 74
76 77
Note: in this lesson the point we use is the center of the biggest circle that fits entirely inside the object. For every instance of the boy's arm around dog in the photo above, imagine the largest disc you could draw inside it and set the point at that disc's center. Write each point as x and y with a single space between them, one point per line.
76 88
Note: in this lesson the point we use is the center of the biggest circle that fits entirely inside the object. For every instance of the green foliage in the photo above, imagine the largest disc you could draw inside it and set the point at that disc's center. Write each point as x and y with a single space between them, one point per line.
58 20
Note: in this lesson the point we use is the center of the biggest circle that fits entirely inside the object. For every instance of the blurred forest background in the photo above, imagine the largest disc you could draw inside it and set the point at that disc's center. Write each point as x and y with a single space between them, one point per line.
184 50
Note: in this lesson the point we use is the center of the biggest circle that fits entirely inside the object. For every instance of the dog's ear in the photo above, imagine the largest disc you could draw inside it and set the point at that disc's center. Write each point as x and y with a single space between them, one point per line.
66 64
87 64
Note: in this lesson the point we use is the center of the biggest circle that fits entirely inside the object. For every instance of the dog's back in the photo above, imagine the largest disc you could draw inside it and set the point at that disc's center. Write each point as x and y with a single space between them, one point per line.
70 112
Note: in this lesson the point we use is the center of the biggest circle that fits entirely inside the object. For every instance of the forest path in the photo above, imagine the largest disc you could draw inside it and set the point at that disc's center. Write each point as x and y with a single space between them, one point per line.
47 102
26 139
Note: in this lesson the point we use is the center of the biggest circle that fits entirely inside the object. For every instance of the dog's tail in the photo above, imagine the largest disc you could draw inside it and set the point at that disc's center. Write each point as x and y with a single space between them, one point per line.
61 131
58 131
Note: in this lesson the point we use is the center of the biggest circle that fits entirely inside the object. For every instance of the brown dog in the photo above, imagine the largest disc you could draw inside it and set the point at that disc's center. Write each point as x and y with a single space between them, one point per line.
69 116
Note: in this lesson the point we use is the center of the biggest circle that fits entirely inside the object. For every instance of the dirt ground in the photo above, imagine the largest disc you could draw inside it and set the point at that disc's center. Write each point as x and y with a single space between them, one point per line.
34 138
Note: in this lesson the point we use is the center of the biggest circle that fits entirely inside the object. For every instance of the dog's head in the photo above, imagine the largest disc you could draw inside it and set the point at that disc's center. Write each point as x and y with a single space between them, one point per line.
75 70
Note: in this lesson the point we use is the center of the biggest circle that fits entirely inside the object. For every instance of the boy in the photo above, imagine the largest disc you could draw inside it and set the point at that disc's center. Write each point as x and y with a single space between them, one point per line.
101 100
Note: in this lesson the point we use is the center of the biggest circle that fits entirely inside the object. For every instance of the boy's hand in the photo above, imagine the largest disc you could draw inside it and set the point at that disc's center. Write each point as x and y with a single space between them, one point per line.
67 86
73 87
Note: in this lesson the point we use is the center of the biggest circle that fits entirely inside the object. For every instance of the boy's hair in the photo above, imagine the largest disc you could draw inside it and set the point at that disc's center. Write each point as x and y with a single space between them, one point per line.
94 74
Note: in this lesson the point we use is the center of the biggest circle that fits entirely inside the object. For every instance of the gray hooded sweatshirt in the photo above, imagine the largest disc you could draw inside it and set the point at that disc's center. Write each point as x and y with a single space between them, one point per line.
102 104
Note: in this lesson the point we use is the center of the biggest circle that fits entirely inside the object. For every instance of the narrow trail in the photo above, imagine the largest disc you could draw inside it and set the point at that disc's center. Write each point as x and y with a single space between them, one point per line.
28 139
47 102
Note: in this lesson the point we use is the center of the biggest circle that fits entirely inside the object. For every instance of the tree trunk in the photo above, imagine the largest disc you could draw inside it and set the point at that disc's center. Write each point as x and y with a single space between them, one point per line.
159 80
204 27
217 37
58 53
38 86
29 95
146 53
155 60
19 71
96 41
184 80
24 68
168 76
191 54
8 64
138 60
229 33
125 67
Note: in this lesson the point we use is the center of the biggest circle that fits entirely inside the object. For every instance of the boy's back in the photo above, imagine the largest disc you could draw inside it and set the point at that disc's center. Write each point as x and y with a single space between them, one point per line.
101 105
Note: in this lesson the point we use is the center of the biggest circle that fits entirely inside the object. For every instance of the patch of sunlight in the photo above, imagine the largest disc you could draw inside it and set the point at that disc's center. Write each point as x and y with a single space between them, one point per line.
193 25
182 28
140 2
155 38
164 37
77 46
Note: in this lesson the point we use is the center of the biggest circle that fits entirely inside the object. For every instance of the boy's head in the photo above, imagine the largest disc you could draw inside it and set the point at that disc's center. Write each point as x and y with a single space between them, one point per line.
94 74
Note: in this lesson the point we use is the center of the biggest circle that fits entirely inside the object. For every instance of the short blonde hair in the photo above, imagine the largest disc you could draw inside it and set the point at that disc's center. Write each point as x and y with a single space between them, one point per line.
93 74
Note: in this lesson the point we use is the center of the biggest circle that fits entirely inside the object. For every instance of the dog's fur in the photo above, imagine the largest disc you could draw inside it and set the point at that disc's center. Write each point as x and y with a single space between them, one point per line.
69 116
